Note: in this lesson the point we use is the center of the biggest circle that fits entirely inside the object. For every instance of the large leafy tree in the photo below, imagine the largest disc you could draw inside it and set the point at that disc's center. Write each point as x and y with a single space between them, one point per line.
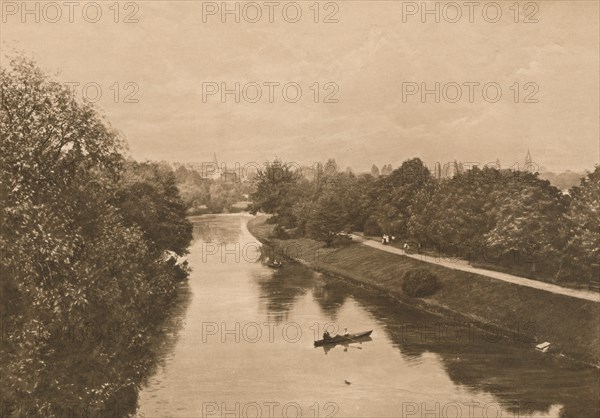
152 186
396 192
334 201
327 218
455 212
334 208
76 253
529 221
583 221
277 189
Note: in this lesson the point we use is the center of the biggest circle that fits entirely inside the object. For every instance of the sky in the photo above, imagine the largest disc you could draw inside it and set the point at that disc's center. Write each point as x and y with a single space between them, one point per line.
368 61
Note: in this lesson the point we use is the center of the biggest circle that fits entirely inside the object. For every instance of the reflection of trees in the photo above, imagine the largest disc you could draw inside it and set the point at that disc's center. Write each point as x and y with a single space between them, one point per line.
527 382
74 365
524 381
216 229
330 295
283 287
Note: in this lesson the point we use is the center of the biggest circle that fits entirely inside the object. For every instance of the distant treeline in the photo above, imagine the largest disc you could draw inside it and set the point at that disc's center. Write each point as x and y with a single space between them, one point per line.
508 220
564 180
90 246
220 193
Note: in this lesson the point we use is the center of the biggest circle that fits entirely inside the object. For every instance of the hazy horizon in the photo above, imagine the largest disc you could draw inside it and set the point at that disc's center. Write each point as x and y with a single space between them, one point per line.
230 164
368 55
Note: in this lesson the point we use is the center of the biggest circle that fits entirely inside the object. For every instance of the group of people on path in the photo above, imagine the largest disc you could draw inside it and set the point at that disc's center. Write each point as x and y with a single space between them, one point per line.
385 239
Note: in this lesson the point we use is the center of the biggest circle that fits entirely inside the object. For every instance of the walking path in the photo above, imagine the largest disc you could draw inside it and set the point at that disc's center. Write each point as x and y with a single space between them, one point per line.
462 265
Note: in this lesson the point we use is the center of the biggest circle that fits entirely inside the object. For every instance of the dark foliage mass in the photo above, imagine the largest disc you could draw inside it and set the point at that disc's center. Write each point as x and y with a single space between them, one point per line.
502 219
419 283
90 244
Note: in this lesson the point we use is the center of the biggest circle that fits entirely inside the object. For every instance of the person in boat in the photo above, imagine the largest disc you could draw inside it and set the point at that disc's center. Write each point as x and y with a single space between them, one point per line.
326 335
346 333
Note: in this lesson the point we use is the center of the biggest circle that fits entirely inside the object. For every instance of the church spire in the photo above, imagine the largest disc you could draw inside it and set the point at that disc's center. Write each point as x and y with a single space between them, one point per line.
529 164
528 160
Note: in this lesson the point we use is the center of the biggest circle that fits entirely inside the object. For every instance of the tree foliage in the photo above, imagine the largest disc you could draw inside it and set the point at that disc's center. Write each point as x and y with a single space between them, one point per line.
396 192
277 188
213 194
512 219
84 242
583 221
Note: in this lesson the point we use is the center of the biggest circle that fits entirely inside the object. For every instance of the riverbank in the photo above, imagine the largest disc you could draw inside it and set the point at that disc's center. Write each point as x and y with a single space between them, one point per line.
527 315
464 266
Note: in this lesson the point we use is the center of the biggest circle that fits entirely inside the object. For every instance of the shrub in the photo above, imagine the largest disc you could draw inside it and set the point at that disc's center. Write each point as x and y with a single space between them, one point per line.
419 283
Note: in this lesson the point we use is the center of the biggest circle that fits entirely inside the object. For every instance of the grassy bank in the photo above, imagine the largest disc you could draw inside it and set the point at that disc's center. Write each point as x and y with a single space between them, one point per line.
530 315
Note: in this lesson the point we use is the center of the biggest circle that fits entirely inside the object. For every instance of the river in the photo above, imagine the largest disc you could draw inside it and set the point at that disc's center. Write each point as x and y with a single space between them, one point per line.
241 344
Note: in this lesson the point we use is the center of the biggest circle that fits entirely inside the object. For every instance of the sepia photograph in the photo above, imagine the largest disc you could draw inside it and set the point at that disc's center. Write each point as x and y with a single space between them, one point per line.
308 208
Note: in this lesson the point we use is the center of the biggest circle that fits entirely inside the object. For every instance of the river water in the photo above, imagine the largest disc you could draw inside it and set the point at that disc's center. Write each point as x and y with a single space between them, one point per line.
241 344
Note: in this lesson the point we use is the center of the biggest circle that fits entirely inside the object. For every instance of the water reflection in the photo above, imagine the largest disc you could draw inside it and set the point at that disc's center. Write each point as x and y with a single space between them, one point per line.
406 364
525 382
73 369
330 295
218 229
280 288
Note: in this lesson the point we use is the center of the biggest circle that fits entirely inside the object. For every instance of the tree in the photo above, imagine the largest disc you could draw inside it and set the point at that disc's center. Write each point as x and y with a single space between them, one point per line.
277 190
456 211
330 168
529 221
386 170
327 218
395 194
70 253
181 174
583 223
374 171
152 186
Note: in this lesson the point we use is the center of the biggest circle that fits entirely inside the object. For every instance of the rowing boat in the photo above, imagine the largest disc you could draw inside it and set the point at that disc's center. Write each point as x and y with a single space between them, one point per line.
342 338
